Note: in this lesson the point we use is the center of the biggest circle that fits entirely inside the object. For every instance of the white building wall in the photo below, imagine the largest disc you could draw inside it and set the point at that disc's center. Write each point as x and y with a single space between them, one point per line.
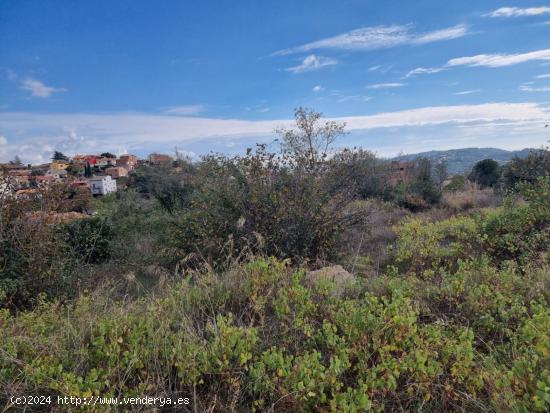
102 186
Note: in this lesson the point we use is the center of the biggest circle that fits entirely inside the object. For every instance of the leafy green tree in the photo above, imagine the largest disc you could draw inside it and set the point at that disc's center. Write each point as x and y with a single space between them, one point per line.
107 155
59 156
88 170
537 164
486 173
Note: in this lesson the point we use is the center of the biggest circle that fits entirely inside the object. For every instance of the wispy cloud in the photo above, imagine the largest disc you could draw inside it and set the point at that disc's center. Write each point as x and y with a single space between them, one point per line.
353 98
188 110
546 76
260 108
528 88
318 88
467 92
386 85
38 88
378 37
3 141
424 71
37 135
518 12
312 62
500 60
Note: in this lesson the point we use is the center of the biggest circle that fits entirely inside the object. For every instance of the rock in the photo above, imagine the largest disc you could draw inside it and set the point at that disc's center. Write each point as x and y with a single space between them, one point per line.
334 273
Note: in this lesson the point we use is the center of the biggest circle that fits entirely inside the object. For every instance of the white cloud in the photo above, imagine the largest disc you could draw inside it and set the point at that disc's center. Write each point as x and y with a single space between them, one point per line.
466 92
518 112
527 88
547 76
386 85
35 136
518 12
3 141
188 110
374 68
38 88
440 35
318 88
424 71
499 60
312 62
353 98
378 37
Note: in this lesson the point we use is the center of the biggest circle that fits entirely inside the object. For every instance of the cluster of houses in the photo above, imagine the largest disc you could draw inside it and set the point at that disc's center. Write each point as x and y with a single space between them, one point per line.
101 174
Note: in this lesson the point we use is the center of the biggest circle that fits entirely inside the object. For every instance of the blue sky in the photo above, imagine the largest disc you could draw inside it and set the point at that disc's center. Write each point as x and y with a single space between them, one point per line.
141 76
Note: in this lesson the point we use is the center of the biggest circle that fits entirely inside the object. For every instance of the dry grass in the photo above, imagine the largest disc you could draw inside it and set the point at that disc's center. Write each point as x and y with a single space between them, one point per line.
470 198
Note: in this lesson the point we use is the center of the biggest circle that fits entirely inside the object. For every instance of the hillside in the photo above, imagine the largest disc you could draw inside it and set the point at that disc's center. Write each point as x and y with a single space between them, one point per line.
462 160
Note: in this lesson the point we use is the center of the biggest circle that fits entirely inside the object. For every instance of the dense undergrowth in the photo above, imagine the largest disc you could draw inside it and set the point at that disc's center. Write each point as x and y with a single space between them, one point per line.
461 323
197 282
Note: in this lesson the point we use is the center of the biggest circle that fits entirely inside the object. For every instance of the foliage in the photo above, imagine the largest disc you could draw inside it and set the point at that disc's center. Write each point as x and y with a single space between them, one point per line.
517 232
528 169
259 339
360 173
33 258
486 173
458 183
90 239
59 156
261 203
310 141
420 192
170 187
167 288
441 172
108 155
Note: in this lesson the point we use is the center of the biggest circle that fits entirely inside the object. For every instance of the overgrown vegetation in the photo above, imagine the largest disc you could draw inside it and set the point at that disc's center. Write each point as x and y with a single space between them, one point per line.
197 282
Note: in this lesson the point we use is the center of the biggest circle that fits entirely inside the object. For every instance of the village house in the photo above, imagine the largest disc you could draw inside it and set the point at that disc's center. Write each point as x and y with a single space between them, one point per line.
56 174
401 172
127 161
82 160
116 172
102 185
42 169
41 180
59 165
159 159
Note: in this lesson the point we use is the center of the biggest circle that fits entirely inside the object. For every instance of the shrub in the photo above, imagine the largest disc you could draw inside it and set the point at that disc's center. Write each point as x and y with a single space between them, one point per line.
261 203
537 164
457 183
517 232
258 338
33 254
486 173
420 192
90 239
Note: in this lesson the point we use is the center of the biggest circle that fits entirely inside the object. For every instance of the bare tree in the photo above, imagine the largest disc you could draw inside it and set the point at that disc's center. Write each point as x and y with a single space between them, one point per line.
310 141
441 172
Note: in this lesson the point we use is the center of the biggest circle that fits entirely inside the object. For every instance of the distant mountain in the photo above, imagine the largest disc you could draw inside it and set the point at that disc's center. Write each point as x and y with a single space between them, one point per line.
460 161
